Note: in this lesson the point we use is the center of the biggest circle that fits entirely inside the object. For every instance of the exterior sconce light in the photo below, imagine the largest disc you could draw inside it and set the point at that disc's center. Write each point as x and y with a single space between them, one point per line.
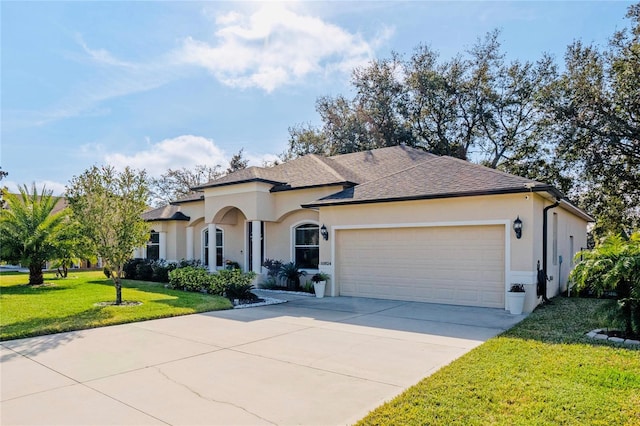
324 232
517 227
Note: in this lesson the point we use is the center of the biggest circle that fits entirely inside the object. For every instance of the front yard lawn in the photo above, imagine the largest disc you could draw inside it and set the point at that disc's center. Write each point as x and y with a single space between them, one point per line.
70 303
544 371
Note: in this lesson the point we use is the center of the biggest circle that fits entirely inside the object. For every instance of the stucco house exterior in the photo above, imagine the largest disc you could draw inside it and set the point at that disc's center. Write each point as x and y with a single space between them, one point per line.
395 223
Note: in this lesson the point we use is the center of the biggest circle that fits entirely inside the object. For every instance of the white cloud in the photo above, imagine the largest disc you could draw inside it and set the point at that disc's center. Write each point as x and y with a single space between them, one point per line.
182 151
274 46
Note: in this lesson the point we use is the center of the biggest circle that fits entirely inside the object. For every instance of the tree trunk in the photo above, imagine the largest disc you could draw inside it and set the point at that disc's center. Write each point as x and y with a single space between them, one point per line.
118 285
35 274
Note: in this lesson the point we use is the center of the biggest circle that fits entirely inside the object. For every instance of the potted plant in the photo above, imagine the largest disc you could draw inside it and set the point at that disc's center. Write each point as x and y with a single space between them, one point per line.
319 283
515 297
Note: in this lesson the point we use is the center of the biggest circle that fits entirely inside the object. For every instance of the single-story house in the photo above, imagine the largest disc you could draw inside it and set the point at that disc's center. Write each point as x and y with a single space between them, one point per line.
392 223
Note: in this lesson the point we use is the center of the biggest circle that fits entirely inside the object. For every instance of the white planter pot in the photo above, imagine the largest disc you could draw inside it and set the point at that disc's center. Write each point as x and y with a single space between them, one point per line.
319 288
516 302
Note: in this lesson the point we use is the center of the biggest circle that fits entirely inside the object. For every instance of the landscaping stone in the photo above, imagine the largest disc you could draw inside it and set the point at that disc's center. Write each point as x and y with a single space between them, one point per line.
616 339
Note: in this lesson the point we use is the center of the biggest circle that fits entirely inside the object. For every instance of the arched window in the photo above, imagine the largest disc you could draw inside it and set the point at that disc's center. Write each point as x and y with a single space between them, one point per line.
219 245
153 246
306 247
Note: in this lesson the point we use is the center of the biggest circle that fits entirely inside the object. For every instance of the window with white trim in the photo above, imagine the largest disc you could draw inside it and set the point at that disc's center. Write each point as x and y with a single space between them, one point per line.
306 248
218 247
153 246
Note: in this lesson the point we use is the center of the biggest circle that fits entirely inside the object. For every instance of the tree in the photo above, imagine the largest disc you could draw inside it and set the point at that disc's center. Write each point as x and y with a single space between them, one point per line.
177 183
3 174
30 232
596 104
237 162
614 265
109 205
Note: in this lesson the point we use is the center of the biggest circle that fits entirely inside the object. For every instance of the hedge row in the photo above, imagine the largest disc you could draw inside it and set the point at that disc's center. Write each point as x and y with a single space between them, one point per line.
231 283
154 270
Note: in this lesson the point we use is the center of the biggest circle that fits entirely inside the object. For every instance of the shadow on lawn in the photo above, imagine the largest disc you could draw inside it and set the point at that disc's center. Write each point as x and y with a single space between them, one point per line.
42 328
565 321
29 289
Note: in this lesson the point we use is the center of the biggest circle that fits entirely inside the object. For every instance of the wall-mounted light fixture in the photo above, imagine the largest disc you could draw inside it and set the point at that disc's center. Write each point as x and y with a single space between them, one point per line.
324 232
517 227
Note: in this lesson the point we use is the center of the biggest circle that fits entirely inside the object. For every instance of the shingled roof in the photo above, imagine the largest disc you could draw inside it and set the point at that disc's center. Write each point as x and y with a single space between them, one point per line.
433 177
168 212
314 170
387 174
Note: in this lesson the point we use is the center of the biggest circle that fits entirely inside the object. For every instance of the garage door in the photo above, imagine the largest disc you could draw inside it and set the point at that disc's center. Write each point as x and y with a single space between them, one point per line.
461 265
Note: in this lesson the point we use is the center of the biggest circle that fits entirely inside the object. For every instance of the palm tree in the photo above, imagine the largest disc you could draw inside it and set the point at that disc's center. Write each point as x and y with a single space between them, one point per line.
29 231
614 265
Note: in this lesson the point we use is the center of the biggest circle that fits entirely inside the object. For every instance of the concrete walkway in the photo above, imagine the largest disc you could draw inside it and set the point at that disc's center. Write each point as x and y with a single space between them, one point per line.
309 361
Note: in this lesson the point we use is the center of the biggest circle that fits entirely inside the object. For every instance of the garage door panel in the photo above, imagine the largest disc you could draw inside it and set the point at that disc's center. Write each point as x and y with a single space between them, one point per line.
455 265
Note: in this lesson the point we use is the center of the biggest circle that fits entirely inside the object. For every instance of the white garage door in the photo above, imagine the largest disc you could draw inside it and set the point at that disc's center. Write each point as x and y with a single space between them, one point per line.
462 265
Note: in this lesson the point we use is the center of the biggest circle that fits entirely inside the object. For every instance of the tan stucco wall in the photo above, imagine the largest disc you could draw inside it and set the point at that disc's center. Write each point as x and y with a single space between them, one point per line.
279 236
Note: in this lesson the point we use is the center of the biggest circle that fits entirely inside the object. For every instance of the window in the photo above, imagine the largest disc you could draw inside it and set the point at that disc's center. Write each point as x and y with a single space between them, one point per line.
218 246
153 246
306 247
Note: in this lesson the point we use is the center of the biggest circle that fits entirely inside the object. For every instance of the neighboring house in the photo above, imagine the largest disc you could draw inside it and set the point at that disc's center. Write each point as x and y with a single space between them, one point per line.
400 224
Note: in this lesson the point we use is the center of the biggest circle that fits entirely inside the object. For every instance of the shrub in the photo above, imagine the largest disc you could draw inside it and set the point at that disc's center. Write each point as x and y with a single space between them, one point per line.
614 266
273 267
190 278
161 270
291 273
130 268
239 291
144 271
232 280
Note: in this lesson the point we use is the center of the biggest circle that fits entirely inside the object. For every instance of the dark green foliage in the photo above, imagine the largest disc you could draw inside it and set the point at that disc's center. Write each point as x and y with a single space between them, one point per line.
239 291
224 282
144 271
190 278
130 268
233 280
273 267
291 273
613 267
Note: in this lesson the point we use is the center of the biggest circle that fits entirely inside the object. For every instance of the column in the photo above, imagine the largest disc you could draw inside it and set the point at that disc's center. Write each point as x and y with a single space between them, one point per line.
162 240
212 247
256 246
189 243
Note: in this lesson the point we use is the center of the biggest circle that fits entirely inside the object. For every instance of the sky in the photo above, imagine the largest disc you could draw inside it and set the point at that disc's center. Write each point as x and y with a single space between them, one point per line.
160 84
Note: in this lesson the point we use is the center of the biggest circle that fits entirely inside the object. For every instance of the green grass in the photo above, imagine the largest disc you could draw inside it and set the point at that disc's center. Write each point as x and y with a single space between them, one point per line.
544 371
69 304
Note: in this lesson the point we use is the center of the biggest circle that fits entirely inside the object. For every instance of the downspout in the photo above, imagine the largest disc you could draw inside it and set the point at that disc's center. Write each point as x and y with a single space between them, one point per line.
545 238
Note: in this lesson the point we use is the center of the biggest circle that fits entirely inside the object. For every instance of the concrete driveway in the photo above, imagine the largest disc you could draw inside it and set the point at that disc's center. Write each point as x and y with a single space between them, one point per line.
309 361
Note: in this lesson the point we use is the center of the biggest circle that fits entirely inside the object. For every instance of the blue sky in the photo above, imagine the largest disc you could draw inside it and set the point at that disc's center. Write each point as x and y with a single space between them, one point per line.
156 85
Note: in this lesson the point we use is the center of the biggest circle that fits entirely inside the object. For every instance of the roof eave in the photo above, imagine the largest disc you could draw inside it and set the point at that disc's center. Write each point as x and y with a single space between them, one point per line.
540 188
321 185
237 182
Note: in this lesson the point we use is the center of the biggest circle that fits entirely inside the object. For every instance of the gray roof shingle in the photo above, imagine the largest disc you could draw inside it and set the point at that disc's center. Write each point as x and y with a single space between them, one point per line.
434 177
169 212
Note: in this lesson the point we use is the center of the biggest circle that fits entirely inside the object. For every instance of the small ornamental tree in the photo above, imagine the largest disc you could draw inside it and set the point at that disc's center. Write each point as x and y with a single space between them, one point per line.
30 232
109 205
614 265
